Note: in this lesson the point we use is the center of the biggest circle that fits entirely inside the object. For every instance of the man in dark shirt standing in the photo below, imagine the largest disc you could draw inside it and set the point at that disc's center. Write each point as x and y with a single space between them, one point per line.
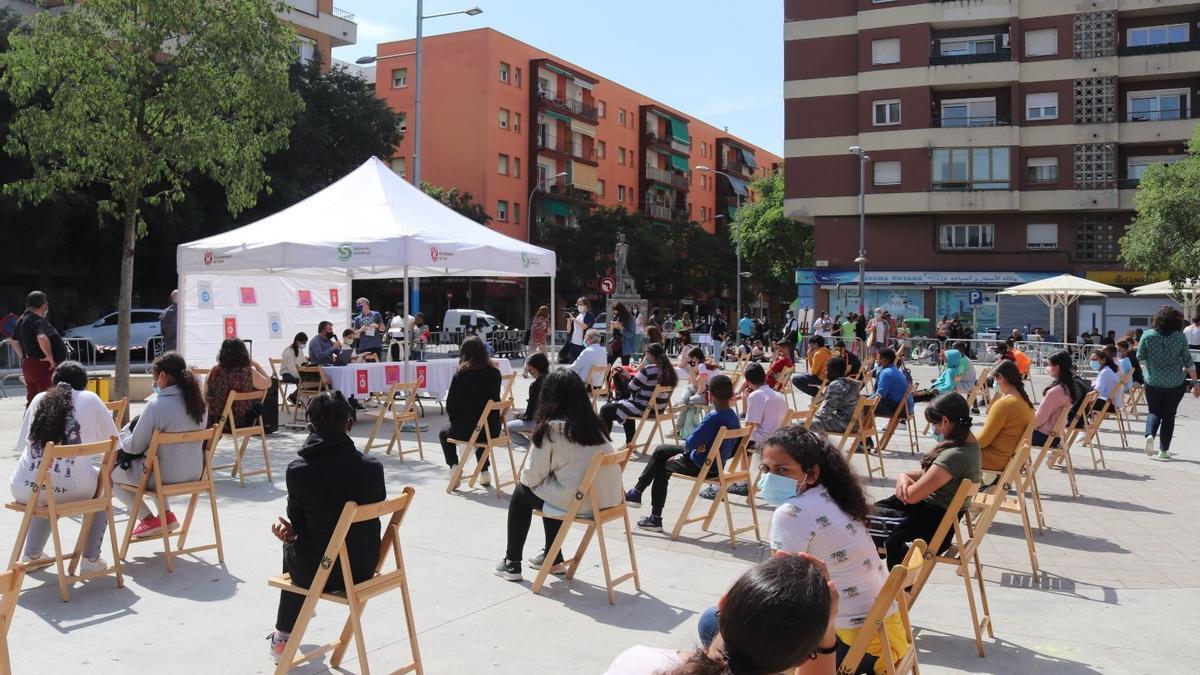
368 329
41 347
168 325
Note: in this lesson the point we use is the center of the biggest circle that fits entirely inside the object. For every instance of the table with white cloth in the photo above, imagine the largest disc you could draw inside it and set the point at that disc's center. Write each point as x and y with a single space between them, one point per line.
359 379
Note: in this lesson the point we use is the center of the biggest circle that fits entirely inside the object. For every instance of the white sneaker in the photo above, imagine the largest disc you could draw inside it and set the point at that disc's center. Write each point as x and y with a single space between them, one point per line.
1149 446
485 479
35 559
96 566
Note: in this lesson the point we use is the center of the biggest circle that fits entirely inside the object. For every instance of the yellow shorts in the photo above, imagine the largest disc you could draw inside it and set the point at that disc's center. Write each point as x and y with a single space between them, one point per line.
897 640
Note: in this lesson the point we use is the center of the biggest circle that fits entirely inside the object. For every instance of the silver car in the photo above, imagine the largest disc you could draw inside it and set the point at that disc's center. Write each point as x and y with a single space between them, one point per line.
144 324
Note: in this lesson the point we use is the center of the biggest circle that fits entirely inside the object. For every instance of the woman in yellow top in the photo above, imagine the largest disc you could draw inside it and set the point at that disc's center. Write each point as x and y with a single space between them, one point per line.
1007 418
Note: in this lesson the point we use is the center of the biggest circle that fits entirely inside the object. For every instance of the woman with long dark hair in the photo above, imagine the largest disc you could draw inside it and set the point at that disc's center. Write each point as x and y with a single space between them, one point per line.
654 370
1061 393
291 358
1163 352
566 434
923 495
1108 373
624 335
476 384
235 372
1007 418
178 406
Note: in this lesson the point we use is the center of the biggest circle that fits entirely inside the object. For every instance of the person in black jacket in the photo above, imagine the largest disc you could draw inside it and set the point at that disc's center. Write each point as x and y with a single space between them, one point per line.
520 429
329 473
476 383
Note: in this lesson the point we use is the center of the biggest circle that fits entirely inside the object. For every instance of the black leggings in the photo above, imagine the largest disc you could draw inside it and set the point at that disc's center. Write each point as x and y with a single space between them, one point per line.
666 460
303 569
520 515
921 521
608 415
1163 403
450 450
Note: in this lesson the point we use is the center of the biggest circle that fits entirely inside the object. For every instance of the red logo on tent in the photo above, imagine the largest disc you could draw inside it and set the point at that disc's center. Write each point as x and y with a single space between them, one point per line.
305 298
421 377
333 297
391 375
433 253
208 257
362 381
230 327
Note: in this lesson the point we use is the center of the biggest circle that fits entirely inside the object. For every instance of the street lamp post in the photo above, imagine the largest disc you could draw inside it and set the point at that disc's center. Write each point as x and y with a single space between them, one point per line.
528 222
737 239
862 227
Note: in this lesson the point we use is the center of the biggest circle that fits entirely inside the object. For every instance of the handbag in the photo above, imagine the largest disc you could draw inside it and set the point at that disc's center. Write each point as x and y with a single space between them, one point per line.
615 347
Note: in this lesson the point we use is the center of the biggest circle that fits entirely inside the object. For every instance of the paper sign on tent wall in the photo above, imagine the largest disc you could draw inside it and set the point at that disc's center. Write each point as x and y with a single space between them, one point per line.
333 298
391 375
360 377
231 327
305 298
204 294
422 372
275 324
247 295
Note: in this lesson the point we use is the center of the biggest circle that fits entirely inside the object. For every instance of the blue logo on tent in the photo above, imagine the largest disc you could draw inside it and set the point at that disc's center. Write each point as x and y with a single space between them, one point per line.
274 326
205 296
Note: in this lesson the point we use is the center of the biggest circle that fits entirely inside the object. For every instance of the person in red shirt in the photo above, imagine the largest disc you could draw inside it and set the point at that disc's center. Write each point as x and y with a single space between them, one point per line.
782 360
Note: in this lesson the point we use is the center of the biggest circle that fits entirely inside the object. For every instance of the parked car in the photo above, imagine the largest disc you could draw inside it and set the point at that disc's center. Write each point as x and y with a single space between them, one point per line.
144 324
457 320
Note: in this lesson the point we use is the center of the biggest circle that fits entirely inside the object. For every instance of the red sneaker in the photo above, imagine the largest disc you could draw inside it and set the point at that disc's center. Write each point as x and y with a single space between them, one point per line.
172 521
148 527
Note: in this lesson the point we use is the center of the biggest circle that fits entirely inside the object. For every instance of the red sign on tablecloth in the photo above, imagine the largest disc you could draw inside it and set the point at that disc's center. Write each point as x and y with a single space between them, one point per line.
305 298
231 327
421 377
333 297
391 375
247 295
361 378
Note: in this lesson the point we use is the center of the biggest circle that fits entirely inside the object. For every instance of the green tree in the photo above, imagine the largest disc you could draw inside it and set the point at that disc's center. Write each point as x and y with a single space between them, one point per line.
773 245
135 96
1164 238
460 201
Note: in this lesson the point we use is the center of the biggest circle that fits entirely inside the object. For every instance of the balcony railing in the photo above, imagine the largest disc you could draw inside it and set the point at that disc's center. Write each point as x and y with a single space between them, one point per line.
666 177
1128 183
343 14
971 186
681 147
658 211
1170 47
736 166
1160 115
566 147
571 105
572 192
939 122
962 59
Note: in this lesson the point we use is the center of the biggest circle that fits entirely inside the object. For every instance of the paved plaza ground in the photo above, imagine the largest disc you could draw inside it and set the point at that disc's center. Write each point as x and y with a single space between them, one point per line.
1120 591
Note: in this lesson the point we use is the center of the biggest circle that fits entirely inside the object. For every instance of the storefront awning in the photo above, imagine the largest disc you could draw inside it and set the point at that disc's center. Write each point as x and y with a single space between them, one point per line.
738 185
679 131
553 207
679 163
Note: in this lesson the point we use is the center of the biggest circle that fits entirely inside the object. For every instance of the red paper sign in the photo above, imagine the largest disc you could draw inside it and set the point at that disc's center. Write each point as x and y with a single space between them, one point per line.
305 298
361 377
421 374
333 297
391 375
248 295
231 327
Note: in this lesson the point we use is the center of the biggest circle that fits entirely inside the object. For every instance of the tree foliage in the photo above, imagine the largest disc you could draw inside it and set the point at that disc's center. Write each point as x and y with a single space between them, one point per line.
460 201
773 245
1164 238
134 97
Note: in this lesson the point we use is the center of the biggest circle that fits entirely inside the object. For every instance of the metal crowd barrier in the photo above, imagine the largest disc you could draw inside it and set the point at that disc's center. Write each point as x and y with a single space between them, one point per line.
154 349
81 349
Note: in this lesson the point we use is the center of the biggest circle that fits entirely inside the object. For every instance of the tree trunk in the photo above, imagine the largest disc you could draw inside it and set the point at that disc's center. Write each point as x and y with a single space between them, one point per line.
125 298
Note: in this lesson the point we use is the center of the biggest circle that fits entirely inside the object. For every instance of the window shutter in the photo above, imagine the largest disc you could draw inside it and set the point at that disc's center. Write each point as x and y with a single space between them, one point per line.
885 51
887 173
1047 100
1041 236
1042 42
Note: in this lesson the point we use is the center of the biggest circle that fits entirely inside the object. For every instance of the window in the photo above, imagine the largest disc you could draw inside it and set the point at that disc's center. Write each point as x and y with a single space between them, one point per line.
886 112
504 70
970 169
402 121
621 116
885 51
503 118
601 108
399 78
516 125
1157 35
1043 42
516 167
306 50
502 211
703 214
400 166
621 193
1040 237
516 213
1135 167
600 186
965 238
969 112
1041 106
1041 170
965 46
517 83
543 85
601 149
502 165
1154 106
887 173
620 155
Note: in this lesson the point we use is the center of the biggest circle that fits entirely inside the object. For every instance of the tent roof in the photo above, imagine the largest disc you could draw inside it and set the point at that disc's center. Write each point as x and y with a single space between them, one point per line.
1165 288
1063 284
372 224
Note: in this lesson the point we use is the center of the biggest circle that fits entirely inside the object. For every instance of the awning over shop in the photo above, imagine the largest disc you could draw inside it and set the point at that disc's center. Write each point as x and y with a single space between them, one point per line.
679 163
738 185
679 131
553 207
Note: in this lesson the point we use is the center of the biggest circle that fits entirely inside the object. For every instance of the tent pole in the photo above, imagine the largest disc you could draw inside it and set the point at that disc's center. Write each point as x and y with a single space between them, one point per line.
406 348
553 309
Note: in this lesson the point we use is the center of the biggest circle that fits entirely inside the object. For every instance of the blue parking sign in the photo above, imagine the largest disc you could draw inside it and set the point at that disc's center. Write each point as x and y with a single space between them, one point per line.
975 298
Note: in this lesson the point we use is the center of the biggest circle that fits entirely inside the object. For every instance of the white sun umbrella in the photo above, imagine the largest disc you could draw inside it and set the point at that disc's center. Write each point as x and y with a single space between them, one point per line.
1061 291
1187 294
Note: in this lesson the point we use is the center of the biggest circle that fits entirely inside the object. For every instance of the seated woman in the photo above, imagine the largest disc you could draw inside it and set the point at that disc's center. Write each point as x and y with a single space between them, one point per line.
234 372
655 369
923 495
476 384
697 370
947 380
779 616
853 363
1060 394
290 360
519 429
566 433
1007 419
1127 354
890 385
65 414
329 473
966 370
821 510
1106 379
782 360
841 396
179 406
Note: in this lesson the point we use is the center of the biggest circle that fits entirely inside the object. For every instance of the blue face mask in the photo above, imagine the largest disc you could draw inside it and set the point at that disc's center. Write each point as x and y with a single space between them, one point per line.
1094 365
157 389
358 308
775 489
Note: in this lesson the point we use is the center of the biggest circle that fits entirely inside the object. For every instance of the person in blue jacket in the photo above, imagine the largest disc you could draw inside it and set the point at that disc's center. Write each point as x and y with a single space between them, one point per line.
890 384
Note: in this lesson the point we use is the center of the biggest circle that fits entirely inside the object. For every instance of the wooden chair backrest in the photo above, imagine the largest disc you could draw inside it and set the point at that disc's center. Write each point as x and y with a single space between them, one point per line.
784 379
596 373
989 503
660 399
274 369
314 384
410 391
742 434
902 409
506 386
352 513
482 428
874 628
227 415
118 408
53 452
967 489
208 438
584 492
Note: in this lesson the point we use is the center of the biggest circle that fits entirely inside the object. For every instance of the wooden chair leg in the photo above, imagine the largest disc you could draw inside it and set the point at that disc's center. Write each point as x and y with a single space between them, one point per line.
983 601
375 432
212 502
395 440
417 431
58 557
965 572
687 508
1036 495
77 553
608 577
637 582
187 522
584 542
262 436
457 474
1071 473
1024 508
22 534
551 553
112 540
293 644
164 531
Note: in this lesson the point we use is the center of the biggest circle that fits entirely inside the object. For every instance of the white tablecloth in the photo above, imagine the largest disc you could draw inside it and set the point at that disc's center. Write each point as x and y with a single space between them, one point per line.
357 379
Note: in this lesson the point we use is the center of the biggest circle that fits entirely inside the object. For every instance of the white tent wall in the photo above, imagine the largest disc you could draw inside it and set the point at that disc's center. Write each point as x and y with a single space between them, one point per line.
202 320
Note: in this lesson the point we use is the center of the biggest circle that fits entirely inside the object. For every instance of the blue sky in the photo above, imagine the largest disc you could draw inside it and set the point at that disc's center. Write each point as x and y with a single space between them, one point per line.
718 61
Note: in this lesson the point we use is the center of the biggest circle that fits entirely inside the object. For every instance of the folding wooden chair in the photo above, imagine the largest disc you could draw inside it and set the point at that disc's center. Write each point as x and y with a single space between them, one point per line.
10 587
1091 436
595 525
783 385
657 413
202 486
1056 453
356 595
1118 411
1077 424
482 438
979 392
388 411
312 384
241 436
898 415
118 409
738 470
98 505
506 387
802 417
283 386
1015 502
873 626
862 428
1133 401
601 392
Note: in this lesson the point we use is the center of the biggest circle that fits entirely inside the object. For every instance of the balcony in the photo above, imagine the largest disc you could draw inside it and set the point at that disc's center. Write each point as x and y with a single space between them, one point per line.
1160 115
658 212
572 193
965 59
736 167
339 25
1128 183
570 105
1168 48
669 178
569 148
970 186
939 122
680 147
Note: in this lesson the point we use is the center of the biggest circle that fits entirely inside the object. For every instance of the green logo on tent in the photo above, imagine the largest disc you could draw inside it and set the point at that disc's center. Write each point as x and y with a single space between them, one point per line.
525 260
344 251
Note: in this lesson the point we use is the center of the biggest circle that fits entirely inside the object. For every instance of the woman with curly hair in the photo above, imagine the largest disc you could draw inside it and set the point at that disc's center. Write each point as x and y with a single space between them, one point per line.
235 372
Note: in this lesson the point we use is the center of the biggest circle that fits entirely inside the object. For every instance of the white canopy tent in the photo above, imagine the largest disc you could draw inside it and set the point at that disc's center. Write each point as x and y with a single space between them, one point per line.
1187 294
1061 291
289 271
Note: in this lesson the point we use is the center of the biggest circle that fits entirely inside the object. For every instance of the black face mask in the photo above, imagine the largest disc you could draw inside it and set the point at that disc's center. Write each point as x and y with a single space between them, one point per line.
329 335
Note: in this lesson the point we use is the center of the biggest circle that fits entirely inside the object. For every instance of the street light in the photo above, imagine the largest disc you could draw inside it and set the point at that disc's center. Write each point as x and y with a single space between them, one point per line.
738 240
862 227
528 220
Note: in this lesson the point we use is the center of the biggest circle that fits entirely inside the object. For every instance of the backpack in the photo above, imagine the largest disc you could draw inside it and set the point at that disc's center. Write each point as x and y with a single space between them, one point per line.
1080 389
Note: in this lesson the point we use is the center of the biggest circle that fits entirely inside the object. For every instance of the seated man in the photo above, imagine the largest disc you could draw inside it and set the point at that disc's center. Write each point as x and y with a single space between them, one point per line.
669 459
890 385
323 349
592 355
818 355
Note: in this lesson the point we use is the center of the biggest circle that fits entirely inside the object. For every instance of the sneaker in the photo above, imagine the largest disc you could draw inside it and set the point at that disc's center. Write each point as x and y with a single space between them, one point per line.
535 563
633 498
172 522
509 570
35 559
485 479
148 527
96 566
740 489
276 644
709 492
1163 456
1149 446
651 523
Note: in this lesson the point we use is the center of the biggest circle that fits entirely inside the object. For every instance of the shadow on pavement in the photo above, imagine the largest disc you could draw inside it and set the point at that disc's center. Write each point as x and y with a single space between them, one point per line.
1057 585
92 603
958 653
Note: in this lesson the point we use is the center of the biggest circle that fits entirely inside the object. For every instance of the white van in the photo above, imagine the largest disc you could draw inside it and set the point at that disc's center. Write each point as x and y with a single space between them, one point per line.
457 320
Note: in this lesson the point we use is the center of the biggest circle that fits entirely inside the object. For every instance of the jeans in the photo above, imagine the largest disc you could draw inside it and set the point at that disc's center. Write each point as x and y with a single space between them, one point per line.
450 450
520 431
1163 402
809 384
666 460
1039 439
608 415
39 533
921 521
520 515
